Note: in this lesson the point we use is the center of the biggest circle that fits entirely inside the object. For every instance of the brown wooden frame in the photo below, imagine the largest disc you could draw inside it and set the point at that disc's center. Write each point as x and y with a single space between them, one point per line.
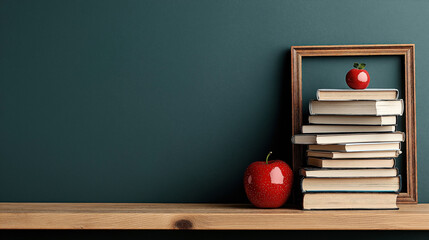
405 50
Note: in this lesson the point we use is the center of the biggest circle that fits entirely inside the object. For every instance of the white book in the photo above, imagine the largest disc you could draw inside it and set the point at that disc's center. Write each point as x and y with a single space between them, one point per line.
345 129
329 201
349 155
351 163
372 108
357 147
351 94
352 120
332 173
362 184
347 138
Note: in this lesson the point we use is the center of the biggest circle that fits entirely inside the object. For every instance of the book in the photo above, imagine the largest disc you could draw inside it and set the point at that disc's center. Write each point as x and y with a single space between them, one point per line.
349 94
367 154
351 163
364 184
347 138
357 147
352 120
374 108
345 128
326 201
331 173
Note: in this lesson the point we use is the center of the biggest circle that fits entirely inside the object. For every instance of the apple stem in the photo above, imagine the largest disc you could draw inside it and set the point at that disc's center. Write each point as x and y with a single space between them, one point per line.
266 159
359 65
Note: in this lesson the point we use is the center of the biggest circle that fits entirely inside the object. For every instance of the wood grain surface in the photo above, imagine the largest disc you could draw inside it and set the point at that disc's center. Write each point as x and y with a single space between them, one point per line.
204 216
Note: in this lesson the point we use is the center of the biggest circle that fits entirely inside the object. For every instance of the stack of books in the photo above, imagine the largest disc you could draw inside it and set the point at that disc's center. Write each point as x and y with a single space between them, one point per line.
353 144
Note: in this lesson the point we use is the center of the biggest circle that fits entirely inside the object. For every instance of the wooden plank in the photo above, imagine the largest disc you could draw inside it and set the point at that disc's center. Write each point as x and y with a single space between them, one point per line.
204 216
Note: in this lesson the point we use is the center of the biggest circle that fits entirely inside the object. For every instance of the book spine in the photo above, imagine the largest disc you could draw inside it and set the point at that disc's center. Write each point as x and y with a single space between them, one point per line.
403 136
318 94
397 94
310 107
396 122
400 113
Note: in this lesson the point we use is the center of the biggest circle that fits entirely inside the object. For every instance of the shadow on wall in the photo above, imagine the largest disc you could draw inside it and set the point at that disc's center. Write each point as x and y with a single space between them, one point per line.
281 142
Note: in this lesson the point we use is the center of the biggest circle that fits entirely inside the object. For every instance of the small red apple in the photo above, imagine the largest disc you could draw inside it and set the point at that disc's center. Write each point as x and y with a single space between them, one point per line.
268 184
358 77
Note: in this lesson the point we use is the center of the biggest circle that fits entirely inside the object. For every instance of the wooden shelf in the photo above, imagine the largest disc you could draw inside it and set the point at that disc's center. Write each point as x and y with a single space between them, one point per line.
203 216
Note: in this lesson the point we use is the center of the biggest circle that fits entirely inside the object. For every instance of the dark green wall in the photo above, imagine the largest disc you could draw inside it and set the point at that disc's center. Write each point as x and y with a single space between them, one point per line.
169 101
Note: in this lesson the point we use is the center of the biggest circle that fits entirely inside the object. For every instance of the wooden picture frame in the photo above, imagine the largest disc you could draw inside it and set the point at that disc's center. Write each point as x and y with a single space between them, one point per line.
407 51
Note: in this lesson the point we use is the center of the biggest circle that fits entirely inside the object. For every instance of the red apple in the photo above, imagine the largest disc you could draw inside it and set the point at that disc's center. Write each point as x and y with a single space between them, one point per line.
268 184
358 77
